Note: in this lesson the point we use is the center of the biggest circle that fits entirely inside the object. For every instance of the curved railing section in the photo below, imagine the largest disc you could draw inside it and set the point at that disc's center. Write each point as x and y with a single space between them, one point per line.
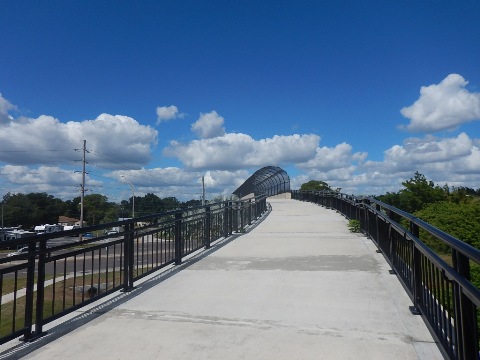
63 271
441 289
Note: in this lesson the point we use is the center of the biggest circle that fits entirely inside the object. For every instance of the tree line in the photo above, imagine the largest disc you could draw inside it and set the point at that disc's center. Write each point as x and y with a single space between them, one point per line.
28 210
455 210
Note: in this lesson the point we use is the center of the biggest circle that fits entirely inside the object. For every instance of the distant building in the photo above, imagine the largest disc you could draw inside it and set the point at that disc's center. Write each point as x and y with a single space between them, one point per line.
67 221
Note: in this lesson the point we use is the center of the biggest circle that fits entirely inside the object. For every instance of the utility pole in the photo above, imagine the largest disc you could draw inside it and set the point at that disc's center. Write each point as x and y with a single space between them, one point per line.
82 197
133 196
82 185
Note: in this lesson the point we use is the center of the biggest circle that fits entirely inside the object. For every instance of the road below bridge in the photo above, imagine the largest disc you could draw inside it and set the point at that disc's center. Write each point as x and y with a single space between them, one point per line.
298 286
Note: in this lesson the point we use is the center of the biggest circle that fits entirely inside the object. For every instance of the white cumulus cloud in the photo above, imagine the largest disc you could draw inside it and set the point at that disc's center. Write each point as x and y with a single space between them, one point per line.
428 150
49 179
165 113
443 106
209 125
240 151
452 161
337 157
45 140
5 107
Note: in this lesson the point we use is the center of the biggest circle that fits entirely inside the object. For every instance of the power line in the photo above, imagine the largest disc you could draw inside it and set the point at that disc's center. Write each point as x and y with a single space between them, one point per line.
27 151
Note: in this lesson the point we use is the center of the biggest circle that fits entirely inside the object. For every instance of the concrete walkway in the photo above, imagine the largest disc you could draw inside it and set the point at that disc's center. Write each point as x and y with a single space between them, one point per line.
299 286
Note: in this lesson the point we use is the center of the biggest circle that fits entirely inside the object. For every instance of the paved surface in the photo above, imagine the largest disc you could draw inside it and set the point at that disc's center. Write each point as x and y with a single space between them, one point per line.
299 286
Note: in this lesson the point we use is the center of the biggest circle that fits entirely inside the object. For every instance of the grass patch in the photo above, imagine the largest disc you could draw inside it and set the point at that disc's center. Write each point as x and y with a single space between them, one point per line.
58 297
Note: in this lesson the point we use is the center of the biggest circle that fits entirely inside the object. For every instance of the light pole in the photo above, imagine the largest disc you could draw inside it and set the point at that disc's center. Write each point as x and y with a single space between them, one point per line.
133 195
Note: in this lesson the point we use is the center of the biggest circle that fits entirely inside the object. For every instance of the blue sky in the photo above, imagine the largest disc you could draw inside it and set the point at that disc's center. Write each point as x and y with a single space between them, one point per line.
360 94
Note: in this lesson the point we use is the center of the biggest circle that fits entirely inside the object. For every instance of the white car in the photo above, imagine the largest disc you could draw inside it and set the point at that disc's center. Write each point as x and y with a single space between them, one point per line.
23 251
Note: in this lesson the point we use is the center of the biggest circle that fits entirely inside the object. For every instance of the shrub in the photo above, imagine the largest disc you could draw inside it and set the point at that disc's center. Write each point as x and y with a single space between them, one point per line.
354 226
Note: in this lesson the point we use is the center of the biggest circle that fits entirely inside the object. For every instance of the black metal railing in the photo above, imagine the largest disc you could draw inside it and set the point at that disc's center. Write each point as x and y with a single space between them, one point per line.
442 293
62 271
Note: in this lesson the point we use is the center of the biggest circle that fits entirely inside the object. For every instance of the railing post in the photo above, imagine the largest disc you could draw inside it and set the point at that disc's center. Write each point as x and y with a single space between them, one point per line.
249 211
417 273
207 235
242 214
235 213
465 312
225 220
178 238
357 210
29 293
129 242
232 217
363 218
40 288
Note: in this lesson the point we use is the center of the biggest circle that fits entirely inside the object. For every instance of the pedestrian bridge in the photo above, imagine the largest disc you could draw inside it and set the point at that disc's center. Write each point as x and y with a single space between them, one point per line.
296 285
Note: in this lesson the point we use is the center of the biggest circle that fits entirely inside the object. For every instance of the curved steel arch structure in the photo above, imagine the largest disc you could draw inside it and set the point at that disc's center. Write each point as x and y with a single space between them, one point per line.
270 180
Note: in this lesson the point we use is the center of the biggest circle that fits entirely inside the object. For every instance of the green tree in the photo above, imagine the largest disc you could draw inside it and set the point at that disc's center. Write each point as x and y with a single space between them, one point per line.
47 208
148 204
125 210
315 185
18 210
111 214
31 209
72 208
170 203
459 220
192 203
97 209
418 192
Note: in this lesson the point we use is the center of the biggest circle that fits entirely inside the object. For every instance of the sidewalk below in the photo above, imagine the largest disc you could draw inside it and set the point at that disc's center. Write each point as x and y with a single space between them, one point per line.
298 286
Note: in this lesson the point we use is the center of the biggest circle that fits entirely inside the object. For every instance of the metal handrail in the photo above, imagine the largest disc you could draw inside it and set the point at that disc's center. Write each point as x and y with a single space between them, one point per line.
64 277
442 294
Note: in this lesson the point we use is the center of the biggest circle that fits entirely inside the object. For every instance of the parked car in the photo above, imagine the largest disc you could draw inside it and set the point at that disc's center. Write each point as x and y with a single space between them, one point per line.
23 251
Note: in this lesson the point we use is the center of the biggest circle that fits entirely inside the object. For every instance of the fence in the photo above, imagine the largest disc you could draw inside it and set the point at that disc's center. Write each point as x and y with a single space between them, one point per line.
63 271
441 292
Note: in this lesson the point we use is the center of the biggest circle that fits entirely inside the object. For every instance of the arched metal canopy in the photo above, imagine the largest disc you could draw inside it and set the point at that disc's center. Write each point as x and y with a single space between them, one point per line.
270 180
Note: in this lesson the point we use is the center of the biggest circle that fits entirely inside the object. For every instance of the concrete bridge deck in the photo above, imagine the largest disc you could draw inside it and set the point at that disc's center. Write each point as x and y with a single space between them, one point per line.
298 286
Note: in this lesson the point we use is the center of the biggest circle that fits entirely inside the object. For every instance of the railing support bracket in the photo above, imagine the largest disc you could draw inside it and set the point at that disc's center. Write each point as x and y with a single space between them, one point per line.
129 289
33 337
414 310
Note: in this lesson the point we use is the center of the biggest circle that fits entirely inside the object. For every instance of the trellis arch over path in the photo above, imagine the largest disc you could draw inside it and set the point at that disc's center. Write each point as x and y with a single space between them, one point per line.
269 180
